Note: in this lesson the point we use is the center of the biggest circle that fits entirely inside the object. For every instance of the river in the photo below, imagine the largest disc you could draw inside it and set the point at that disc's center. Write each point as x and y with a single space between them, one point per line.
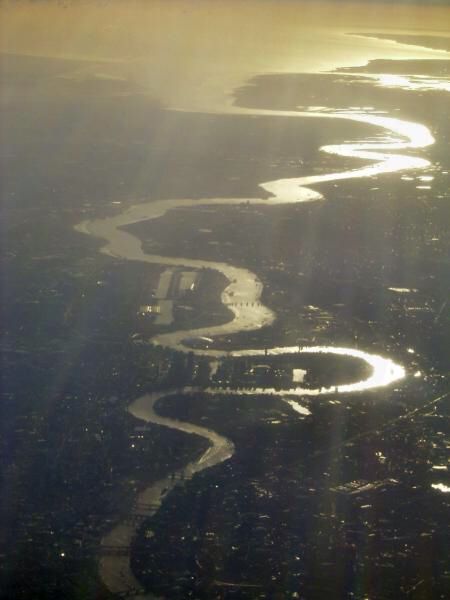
242 296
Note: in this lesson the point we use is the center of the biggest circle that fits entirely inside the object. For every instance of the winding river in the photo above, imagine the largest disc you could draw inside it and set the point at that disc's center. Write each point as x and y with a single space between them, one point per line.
242 296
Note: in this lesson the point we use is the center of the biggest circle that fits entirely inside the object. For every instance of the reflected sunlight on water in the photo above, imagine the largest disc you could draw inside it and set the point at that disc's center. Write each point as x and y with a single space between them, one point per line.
441 487
192 53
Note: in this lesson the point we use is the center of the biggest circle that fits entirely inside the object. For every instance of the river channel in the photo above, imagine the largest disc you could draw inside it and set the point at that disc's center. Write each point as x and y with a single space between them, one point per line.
387 153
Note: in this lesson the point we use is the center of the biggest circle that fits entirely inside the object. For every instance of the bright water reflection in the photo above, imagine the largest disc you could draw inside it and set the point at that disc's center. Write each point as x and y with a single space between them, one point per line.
384 372
412 82
441 487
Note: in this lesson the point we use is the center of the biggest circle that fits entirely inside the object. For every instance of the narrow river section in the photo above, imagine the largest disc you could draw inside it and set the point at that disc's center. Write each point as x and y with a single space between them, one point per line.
114 566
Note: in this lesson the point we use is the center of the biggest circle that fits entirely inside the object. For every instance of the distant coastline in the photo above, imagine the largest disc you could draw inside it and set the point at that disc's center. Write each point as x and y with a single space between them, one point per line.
430 42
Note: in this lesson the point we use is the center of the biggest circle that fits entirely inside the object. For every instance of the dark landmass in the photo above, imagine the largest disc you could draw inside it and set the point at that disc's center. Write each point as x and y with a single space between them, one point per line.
435 42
